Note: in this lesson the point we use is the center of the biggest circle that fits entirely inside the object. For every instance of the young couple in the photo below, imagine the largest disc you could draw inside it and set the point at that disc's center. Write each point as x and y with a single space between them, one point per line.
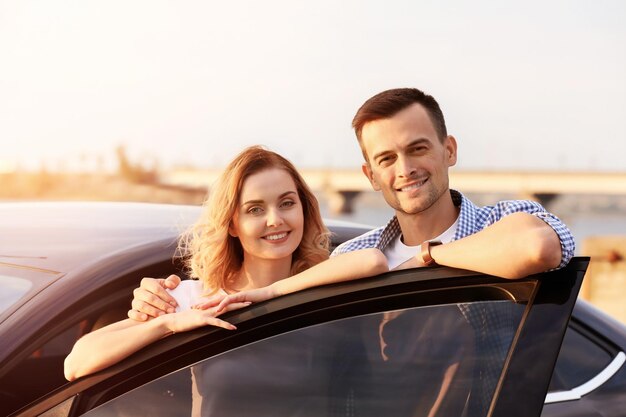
261 234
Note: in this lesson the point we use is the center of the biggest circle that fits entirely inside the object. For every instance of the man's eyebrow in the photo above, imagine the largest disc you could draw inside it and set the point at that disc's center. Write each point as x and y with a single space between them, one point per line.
414 142
418 141
283 195
379 154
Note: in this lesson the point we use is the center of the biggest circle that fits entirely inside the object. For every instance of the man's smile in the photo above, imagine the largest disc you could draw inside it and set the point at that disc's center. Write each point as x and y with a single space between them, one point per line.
413 186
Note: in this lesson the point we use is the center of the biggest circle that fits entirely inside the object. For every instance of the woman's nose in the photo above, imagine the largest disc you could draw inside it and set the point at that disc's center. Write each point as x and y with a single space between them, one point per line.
274 218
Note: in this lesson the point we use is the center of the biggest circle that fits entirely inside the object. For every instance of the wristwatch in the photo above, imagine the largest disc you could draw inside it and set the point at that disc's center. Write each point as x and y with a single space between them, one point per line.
428 260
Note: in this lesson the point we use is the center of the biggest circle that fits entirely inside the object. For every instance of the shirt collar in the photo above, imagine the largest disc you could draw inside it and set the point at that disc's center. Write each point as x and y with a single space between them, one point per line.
466 217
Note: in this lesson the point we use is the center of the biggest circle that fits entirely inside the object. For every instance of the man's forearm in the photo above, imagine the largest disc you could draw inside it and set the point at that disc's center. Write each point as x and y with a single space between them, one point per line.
516 246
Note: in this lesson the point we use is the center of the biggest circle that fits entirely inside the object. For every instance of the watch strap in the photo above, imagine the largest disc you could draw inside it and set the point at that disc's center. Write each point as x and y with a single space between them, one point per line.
426 256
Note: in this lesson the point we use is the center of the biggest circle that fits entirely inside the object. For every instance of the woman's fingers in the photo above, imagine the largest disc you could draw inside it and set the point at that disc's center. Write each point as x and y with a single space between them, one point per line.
233 299
192 319
255 296
232 306
214 321
211 302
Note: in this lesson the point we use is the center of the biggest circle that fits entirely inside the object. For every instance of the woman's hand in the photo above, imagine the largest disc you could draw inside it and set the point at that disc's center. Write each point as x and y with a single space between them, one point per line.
198 317
232 301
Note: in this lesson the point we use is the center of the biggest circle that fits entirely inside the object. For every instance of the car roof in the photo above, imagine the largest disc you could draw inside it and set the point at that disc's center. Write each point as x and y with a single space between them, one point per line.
54 240
58 237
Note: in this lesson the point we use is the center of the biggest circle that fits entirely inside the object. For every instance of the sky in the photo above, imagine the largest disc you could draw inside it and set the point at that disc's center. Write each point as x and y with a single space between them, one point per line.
532 85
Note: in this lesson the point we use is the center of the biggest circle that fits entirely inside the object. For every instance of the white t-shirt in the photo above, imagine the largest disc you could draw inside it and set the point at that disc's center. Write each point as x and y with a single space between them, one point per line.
397 252
189 293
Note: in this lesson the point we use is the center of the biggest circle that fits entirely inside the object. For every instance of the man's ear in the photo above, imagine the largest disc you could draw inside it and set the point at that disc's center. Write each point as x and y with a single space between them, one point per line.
367 170
449 143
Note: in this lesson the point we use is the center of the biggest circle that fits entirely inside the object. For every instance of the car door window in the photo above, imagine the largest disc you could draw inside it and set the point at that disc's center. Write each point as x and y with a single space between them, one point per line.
433 360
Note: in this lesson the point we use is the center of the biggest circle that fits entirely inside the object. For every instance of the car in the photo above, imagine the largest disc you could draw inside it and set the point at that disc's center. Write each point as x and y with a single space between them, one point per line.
427 341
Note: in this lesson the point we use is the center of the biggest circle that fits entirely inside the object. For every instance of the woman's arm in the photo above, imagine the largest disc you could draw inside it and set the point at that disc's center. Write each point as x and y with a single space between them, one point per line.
110 344
345 267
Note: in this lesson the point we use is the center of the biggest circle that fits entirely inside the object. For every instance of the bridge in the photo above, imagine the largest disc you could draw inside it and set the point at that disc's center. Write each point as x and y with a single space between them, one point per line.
343 185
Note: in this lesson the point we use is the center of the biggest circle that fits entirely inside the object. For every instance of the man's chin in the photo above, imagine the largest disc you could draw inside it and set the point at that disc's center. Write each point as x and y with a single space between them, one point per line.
411 211
415 207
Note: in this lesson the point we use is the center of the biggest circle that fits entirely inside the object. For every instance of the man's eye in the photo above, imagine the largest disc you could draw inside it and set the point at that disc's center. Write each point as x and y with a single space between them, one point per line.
384 160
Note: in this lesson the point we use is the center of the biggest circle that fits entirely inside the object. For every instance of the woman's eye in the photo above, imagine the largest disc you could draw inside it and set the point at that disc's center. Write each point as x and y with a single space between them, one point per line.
255 210
288 203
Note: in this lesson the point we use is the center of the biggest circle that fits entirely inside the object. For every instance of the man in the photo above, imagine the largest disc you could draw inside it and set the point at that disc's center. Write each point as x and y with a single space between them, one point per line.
408 152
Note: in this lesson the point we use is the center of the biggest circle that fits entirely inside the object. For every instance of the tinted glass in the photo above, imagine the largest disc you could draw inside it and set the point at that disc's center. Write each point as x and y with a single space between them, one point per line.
438 361
580 359
11 290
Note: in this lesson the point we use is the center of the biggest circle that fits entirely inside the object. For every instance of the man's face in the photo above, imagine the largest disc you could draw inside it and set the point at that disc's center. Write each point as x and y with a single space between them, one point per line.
407 161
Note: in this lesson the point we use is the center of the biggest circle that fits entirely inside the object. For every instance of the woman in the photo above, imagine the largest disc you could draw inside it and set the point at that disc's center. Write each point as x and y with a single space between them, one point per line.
261 229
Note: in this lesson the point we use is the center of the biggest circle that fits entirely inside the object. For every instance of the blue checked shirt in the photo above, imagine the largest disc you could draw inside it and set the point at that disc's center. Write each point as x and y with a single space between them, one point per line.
472 219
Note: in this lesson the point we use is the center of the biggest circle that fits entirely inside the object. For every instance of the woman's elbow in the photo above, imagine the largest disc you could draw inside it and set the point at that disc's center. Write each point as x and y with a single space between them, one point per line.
69 369
76 365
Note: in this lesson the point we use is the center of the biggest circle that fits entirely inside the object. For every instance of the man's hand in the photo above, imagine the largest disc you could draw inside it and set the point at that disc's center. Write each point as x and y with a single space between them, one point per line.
151 300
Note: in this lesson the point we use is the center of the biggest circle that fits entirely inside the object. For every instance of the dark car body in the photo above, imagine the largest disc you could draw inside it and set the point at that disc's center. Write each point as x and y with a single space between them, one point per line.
66 269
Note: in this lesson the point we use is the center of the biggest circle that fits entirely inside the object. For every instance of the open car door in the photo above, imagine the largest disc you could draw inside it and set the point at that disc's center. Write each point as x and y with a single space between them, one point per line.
421 342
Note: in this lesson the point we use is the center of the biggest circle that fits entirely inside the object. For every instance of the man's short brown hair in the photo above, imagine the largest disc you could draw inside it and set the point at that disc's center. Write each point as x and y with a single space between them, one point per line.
390 102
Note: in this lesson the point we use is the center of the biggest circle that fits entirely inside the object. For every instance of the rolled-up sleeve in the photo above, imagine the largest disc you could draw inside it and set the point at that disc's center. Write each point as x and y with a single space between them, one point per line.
568 246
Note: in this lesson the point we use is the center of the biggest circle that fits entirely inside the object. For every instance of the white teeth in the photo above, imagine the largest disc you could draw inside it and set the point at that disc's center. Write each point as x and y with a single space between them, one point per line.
413 186
276 237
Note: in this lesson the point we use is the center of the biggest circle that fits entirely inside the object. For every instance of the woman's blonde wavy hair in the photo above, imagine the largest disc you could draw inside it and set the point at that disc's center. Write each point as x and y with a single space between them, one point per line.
213 256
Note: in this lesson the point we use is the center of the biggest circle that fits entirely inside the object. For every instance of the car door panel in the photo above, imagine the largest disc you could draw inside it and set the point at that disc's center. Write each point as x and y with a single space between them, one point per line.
539 308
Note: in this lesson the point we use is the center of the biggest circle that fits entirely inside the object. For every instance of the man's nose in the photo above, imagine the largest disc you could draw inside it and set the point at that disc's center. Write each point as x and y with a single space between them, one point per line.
405 167
274 218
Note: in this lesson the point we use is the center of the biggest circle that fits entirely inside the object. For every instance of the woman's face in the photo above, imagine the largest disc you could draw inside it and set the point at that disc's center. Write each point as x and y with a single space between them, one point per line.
269 220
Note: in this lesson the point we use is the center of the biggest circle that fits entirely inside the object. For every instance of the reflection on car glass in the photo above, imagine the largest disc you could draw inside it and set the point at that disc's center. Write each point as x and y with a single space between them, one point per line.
437 361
